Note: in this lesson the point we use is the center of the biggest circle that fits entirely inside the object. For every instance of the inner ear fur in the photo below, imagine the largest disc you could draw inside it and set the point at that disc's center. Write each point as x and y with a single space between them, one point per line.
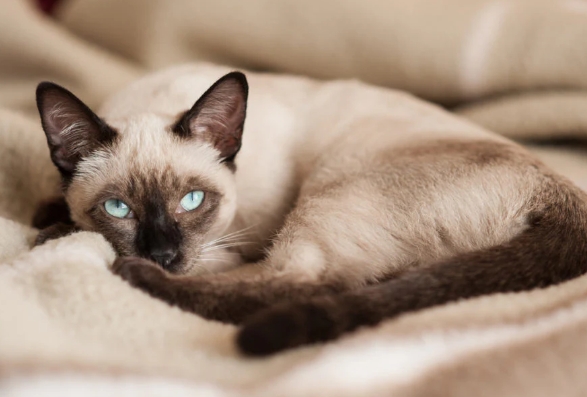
73 131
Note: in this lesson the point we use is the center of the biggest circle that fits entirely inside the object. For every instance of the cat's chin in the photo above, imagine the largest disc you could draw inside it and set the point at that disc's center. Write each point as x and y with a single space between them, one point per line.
221 261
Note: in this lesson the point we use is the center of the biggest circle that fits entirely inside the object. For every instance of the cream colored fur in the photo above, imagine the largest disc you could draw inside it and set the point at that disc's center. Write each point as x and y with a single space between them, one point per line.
345 149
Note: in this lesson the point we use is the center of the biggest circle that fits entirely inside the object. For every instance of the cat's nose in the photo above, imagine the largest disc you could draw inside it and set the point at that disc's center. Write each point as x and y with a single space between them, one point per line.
163 257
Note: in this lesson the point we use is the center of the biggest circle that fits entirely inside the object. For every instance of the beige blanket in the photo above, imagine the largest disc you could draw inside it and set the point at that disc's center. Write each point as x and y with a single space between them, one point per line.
68 325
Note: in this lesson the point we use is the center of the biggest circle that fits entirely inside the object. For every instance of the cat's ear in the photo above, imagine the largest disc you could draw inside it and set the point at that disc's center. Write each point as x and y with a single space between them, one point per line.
218 117
73 131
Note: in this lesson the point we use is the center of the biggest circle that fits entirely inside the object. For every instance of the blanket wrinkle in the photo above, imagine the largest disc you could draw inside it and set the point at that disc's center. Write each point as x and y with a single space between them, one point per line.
68 326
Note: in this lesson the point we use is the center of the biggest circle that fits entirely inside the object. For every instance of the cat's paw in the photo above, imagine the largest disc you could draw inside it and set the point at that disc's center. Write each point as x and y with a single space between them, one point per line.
53 232
284 327
139 272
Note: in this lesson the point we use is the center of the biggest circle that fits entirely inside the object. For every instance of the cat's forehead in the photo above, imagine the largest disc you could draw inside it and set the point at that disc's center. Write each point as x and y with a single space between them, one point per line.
147 142
148 156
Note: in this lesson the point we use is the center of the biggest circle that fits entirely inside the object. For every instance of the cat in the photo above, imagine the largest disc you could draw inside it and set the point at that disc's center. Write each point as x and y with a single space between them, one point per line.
342 204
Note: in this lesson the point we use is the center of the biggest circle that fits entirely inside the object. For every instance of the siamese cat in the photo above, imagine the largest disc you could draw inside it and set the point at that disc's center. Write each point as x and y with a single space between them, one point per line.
349 204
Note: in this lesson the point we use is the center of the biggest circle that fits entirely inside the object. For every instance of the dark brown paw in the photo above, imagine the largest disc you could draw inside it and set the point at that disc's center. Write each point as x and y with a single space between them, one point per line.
139 272
53 232
285 327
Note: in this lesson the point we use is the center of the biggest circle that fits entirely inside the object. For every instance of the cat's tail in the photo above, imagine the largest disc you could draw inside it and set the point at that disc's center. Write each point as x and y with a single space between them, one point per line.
551 250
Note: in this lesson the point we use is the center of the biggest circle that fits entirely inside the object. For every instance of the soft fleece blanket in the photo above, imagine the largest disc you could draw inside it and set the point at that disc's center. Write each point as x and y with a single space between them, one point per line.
69 327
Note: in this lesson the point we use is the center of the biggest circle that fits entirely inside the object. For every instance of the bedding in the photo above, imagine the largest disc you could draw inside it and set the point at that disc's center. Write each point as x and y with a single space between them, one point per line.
70 327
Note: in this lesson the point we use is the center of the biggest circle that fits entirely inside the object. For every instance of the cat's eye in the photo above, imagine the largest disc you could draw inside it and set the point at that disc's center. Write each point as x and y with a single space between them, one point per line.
117 208
191 201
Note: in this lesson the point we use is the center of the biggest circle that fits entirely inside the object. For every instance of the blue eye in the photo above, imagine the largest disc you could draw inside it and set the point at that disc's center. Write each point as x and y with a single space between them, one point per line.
116 208
192 200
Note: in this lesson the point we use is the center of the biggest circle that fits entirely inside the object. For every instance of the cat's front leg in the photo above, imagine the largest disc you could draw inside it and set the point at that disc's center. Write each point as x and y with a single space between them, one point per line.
147 276
214 297
228 297
55 231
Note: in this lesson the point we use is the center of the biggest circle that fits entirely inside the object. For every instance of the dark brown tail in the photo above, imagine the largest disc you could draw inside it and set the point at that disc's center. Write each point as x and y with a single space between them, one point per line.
552 250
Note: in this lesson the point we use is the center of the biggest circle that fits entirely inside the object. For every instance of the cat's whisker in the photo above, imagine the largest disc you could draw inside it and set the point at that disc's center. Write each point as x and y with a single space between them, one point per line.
235 233
230 236
210 260
242 230
226 240
207 257
227 245
199 266
215 260
217 243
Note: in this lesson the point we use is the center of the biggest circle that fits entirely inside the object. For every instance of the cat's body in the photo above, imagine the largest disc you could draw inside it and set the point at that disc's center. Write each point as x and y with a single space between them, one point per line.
302 137
341 184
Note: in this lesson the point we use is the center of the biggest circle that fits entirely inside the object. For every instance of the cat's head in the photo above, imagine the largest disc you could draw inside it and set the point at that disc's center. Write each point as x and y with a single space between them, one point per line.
156 189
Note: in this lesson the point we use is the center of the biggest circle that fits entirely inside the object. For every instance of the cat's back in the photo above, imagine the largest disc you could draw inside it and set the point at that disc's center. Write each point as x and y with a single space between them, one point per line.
170 91
295 108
